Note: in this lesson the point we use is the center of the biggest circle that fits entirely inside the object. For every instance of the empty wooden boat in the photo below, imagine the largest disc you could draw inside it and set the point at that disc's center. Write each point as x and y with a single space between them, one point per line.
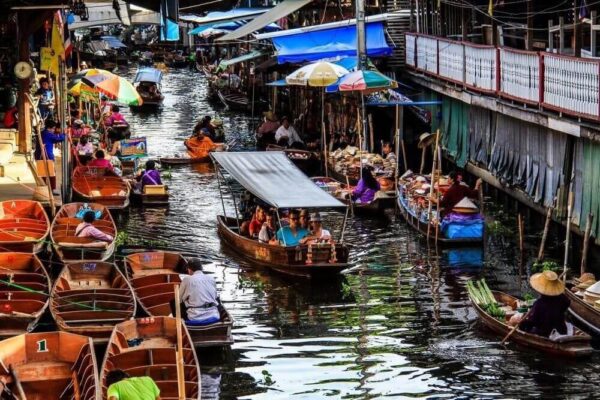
24 293
578 345
49 366
90 298
153 276
183 159
148 347
100 185
24 226
71 247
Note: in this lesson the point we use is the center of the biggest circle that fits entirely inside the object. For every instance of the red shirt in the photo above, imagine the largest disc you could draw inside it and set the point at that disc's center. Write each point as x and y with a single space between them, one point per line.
255 227
103 163
456 193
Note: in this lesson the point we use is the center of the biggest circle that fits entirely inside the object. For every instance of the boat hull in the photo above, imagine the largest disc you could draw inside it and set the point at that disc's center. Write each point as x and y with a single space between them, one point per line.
24 226
584 312
102 186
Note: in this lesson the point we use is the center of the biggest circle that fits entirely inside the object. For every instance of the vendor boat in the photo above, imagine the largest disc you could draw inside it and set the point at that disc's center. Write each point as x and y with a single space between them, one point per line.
583 307
148 347
89 298
455 228
307 161
102 186
281 185
575 346
24 226
49 366
151 195
146 79
153 276
70 247
24 293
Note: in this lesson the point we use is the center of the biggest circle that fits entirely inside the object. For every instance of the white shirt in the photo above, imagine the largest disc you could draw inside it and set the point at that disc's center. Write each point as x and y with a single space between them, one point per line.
290 133
325 234
197 290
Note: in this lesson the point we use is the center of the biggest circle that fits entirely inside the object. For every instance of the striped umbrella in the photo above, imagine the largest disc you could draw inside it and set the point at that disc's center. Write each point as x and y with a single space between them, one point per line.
75 85
319 74
365 81
114 87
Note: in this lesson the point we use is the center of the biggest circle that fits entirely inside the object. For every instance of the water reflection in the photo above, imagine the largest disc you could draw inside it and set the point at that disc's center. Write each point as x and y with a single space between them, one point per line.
398 325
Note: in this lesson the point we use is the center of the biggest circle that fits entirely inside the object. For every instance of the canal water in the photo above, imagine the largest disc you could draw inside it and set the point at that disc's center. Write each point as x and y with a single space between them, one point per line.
397 325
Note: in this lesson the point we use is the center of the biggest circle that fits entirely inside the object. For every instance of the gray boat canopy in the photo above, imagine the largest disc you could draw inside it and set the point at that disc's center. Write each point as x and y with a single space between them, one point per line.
272 177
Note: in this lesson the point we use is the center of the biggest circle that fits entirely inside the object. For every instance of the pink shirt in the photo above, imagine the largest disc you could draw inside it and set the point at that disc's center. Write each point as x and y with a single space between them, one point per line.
103 163
86 229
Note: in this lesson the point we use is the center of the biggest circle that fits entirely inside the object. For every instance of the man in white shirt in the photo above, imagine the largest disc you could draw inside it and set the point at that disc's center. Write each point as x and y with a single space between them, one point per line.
199 295
287 131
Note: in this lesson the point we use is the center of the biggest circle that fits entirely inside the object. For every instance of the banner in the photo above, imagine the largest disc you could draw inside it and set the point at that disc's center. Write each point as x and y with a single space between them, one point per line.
134 147
48 60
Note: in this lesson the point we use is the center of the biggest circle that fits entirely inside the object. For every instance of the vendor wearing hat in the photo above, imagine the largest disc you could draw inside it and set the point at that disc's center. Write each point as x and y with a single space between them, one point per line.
266 130
218 131
457 192
548 312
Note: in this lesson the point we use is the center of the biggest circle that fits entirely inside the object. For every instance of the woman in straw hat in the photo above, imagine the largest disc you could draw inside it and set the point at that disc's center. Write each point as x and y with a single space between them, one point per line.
548 312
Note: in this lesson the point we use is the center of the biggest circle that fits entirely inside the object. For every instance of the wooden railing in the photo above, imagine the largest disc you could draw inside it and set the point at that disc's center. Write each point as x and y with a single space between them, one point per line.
569 85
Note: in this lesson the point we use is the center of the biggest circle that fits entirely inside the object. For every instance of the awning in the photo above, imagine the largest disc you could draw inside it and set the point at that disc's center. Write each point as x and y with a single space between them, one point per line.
113 42
101 14
148 75
334 42
279 11
245 57
280 82
224 16
272 177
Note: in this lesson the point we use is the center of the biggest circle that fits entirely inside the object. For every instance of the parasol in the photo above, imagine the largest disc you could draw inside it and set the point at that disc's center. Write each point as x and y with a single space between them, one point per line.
114 87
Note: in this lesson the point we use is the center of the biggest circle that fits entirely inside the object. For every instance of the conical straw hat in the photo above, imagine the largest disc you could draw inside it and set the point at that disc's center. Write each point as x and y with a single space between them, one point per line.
465 206
547 283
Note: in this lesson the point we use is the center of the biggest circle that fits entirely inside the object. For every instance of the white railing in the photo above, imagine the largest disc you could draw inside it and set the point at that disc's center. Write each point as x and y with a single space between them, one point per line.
520 75
410 46
561 83
452 60
571 84
480 67
427 55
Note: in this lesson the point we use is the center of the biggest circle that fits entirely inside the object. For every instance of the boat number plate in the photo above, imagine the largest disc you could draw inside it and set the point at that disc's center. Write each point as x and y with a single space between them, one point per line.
89 267
42 346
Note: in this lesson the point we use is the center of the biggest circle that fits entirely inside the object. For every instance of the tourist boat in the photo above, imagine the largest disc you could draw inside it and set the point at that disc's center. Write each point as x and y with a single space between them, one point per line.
24 293
89 298
281 185
578 345
151 196
148 347
100 185
583 311
341 192
144 79
70 247
49 366
417 218
153 276
24 226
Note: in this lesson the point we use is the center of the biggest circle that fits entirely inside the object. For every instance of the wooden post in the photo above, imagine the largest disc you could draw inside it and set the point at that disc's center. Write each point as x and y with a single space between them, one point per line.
540 256
593 33
463 24
568 239
371 134
180 365
521 233
576 32
529 34
586 242
433 170
550 36
561 35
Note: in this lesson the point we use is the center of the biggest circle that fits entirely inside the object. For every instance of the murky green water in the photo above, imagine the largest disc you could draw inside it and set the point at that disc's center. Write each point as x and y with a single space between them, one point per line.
399 325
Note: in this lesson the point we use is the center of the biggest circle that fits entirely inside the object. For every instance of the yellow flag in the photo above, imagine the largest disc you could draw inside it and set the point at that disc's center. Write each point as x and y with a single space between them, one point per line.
57 40
49 60
491 8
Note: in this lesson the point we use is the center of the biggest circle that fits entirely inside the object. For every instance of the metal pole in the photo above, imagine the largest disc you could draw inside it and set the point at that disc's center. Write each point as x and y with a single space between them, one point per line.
237 216
221 191
280 227
361 52
344 226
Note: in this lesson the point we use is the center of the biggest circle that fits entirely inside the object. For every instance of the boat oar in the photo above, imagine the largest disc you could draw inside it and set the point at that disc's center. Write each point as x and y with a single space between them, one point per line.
509 334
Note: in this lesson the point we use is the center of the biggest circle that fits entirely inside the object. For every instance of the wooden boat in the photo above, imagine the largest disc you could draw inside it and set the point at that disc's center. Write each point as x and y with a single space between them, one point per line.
24 226
287 260
153 276
577 345
24 293
148 347
184 159
49 366
151 195
307 161
146 78
584 312
422 226
70 247
240 102
339 176
100 185
90 298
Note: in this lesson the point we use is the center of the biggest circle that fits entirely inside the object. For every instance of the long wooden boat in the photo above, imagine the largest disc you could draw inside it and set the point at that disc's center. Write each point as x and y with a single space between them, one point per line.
148 347
584 312
153 276
71 248
422 226
339 176
184 159
49 366
307 161
24 226
24 293
100 185
240 102
576 346
286 260
90 298
151 196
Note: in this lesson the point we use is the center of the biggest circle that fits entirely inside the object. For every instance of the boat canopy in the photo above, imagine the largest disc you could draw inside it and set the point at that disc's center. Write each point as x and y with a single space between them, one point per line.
245 57
272 177
148 75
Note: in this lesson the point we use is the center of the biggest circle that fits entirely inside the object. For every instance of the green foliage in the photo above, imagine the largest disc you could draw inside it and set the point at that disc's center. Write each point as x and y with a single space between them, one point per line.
346 290
166 173
497 228
121 239
545 265
267 378
495 311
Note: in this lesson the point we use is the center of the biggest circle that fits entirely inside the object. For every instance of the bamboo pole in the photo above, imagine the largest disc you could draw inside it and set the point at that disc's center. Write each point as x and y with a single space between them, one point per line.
521 241
371 134
180 366
47 168
433 170
568 239
423 154
350 198
586 242
540 256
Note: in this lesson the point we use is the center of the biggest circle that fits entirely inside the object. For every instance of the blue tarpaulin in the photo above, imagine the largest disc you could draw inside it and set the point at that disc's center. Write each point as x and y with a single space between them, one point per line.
113 42
148 75
231 26
328 43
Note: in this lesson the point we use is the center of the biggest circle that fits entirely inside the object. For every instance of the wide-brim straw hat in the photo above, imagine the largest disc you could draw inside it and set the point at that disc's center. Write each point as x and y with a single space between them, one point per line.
547 283
270 115
216 122
426 140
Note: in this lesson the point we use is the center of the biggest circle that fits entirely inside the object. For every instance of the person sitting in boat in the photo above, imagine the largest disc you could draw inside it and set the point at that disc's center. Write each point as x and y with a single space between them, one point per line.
100 161
150 176
267 231
292 234
303 219
205 123
287 136
84 149
317 233
115 118
257 221
389 154
200 140
87 229
457 192
218 131
548 312
367 187
123 387
199 296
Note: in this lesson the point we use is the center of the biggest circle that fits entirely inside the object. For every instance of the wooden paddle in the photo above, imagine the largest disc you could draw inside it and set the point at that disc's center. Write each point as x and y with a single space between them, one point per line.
509 334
